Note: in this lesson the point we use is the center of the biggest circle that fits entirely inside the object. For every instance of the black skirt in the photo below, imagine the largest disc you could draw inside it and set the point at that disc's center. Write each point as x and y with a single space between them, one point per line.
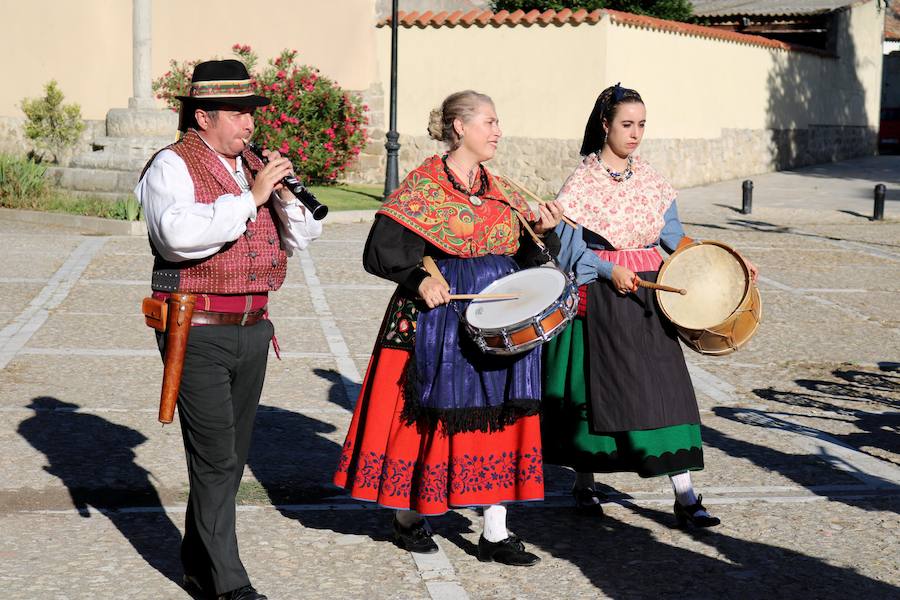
638 378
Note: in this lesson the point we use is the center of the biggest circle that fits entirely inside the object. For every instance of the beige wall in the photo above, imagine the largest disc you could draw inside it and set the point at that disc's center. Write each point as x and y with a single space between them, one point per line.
86 44
543 79
717 109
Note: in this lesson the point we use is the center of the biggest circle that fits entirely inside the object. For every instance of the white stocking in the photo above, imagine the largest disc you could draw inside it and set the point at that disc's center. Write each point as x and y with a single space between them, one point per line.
495 523
684 491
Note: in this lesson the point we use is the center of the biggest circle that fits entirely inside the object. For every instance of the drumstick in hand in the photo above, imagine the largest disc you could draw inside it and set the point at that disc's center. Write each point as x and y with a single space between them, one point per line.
658 286
565 219
435 272
483 296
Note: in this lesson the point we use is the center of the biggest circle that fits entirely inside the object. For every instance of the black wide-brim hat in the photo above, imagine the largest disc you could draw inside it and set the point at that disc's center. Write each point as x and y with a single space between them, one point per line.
222 83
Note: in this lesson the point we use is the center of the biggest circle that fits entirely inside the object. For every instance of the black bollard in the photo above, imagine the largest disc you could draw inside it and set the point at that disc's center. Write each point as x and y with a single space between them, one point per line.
747 197
878 213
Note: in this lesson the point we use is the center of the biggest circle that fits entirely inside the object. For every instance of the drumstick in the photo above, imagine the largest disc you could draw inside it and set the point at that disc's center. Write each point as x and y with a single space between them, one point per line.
565 219
435 272
483 296
660 287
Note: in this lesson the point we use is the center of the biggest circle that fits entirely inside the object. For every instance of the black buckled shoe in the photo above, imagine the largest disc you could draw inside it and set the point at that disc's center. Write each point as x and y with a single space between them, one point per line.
587 502
414 538
248 592
685 514
510 551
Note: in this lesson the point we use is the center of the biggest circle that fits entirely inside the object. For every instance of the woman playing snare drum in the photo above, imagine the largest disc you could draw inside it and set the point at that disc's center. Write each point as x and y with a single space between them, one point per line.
439 424
617 392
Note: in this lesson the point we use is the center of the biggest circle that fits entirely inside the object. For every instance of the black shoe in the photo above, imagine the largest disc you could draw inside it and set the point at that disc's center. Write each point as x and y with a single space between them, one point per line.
587 502
414 538
510 551
683 514
248 592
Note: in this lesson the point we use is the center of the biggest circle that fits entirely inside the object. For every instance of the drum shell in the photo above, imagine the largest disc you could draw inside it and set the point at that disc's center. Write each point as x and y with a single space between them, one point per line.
530 332
731 333
525 336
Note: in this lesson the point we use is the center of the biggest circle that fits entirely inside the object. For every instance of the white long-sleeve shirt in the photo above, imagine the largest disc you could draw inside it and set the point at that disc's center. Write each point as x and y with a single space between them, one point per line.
183 229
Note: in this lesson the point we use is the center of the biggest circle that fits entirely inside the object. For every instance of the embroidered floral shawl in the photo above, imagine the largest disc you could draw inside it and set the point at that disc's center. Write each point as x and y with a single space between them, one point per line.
427 204
628 214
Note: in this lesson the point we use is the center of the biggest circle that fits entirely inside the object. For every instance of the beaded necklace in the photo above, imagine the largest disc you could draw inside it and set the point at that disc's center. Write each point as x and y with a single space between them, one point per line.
473 197
615 175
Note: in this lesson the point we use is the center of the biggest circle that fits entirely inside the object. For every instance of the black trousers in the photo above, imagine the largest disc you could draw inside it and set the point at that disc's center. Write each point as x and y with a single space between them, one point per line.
224 370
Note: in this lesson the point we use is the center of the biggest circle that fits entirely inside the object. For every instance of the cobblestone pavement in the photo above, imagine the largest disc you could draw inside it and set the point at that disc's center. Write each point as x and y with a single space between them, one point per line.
801 428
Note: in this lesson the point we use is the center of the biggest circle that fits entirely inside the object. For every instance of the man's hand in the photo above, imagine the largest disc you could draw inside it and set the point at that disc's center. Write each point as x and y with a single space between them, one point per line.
434 292
269 177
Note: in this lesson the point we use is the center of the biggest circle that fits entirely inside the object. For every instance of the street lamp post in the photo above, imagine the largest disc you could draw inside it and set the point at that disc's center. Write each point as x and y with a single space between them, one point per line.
391 176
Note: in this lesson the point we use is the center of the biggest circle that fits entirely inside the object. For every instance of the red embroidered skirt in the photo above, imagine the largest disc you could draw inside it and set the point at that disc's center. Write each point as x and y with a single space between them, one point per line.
386 461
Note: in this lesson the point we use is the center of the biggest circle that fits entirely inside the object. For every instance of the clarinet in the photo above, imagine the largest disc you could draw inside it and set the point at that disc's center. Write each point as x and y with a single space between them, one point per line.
299 190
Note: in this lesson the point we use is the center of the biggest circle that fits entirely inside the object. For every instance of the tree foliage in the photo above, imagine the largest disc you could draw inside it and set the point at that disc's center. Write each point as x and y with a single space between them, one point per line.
311 120
676 10
55 127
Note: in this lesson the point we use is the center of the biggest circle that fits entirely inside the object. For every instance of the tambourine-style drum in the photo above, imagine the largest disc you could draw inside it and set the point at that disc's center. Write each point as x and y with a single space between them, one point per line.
722 308
546 301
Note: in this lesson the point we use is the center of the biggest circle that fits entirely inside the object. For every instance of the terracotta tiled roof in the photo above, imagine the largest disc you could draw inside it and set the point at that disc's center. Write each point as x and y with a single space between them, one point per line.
892 21
502 18
481 18
765 8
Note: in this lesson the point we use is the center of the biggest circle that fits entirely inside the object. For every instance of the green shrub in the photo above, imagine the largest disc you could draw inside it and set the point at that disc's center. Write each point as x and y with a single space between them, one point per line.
676 10
21 180
126 209
55 127
311 119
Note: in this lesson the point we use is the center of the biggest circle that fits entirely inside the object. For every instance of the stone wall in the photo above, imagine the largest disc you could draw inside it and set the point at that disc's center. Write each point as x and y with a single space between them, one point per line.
542 165
13 140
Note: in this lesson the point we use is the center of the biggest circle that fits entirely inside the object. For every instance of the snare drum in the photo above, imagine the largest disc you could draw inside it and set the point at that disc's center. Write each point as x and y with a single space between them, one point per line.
547 300
722 308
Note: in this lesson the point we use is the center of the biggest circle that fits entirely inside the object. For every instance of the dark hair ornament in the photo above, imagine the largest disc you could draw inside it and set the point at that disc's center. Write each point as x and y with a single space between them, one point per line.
605 110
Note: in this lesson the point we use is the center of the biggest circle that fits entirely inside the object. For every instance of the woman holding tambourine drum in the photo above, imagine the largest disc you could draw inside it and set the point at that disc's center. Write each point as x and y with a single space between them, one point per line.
617 393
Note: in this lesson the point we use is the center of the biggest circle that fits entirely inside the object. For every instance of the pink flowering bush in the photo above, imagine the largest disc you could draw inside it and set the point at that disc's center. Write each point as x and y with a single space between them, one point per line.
311 120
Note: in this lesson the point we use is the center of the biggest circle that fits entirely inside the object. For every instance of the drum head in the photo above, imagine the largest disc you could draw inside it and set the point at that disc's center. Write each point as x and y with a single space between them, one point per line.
716 281
537 289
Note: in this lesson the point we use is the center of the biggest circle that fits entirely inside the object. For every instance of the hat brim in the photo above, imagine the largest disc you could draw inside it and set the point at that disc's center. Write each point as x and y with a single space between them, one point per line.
241 101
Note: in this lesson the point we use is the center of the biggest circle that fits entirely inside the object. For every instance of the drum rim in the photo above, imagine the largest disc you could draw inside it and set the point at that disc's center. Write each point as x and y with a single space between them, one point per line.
694 244
515 324
692 344
569 292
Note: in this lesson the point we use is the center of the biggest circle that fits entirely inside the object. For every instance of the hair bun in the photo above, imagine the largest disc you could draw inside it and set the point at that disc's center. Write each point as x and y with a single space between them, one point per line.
436 125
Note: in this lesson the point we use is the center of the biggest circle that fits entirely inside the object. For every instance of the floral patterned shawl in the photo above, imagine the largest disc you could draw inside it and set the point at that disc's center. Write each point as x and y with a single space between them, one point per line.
427 204
628 214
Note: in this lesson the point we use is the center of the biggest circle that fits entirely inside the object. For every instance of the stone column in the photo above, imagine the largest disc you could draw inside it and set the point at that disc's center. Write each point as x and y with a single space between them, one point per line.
142 118
140 55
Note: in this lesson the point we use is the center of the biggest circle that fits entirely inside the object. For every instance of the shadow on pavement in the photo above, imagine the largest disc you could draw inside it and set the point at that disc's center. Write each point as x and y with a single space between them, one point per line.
867 400
764 227
844 400
291 458
627 561
294 462
94 459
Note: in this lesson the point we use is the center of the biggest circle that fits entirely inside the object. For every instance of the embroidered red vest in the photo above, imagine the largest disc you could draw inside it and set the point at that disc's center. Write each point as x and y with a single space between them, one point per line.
253 263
